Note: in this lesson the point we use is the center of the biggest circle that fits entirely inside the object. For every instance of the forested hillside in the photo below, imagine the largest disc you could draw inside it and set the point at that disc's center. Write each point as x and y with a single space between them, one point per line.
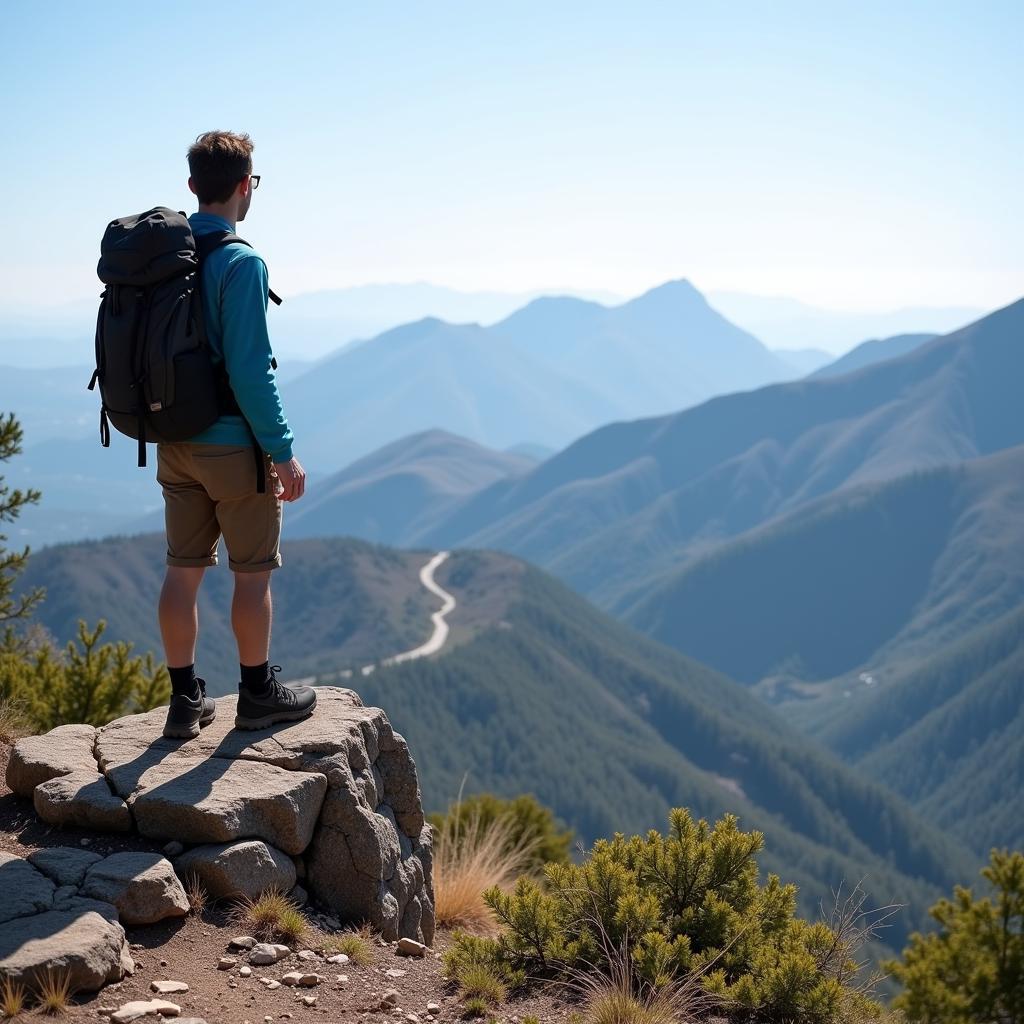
538 691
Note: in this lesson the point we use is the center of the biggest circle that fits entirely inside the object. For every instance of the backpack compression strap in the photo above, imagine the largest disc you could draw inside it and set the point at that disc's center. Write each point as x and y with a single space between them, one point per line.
212 240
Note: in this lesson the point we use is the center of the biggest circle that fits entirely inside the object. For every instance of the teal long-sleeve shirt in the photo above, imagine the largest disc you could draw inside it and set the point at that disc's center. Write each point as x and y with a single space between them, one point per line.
236 290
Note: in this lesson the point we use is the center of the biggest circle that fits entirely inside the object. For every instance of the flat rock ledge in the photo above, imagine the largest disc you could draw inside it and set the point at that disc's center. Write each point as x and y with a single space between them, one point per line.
63 909
333 800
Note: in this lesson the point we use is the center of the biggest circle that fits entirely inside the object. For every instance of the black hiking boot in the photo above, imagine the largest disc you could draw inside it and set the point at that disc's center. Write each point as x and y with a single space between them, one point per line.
185 716
278 703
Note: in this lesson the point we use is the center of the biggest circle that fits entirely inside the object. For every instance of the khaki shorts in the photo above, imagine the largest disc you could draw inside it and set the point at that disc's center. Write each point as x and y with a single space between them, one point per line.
209 490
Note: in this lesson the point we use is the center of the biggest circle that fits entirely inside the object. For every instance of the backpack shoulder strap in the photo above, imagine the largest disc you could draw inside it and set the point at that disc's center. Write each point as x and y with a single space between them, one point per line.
212 240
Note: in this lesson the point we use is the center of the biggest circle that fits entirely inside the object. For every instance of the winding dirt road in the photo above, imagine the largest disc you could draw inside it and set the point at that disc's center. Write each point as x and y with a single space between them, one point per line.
432 646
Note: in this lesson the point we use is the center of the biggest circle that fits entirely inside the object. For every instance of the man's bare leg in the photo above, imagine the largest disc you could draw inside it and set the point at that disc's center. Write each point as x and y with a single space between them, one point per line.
190 709
251 614
262 699
179 614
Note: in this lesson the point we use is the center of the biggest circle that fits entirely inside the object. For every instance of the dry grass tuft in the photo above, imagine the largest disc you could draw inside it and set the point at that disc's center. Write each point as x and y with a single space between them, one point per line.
14 723
355 943
54 993
470 858
620 996
12 998
479 982
271 916
475 1007
198 899
853 928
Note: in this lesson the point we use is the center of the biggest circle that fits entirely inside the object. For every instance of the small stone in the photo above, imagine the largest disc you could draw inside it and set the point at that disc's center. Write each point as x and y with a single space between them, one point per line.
394 972
270 983
244 971
300 978
232 983
307 954
330 922
299 896
225 963
268 953
173 848
309 1000
341 979
242 942
163 963
410 947
412 1018
167 988
433 1007
143 1008
338 958
389 999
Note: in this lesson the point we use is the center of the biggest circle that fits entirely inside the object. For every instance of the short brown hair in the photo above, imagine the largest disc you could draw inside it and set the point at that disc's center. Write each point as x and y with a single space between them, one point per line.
218 161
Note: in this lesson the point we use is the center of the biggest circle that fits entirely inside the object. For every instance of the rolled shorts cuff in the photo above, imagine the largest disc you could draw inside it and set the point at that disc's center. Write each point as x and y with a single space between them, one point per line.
192 563
274 563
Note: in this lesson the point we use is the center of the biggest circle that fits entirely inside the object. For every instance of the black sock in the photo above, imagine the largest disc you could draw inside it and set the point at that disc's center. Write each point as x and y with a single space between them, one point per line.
256 678
183 681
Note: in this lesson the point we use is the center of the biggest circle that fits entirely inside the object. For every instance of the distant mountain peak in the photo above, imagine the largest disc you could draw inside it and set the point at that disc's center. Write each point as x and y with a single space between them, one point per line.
673 292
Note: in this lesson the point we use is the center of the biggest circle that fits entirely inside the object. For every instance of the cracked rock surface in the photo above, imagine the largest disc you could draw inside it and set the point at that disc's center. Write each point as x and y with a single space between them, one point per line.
336 793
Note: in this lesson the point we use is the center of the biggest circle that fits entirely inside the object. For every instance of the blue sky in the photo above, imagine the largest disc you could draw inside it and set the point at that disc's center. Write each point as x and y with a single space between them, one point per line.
856 155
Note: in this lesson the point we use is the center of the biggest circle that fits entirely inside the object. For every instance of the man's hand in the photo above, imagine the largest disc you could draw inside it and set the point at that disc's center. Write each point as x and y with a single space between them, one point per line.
291 480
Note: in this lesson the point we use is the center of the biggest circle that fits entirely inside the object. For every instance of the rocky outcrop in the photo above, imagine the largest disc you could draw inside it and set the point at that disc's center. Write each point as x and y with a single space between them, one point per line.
83 800
336 795
63 909
244 868
88 946
143 887
63 750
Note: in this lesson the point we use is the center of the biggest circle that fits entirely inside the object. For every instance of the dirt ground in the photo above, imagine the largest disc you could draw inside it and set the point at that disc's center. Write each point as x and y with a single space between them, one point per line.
188 949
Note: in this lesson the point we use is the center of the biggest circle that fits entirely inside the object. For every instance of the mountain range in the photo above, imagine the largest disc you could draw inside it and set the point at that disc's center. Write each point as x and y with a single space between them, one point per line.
537 691
547 374
632 503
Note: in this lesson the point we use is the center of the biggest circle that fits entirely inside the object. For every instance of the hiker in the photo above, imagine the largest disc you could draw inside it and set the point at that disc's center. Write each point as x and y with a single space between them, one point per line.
210 482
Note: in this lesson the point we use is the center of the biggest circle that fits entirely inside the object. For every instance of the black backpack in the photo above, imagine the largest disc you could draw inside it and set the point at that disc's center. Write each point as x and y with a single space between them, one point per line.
156 376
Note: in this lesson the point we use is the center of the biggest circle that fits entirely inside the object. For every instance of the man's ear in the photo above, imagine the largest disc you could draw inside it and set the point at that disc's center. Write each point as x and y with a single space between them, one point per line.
192 188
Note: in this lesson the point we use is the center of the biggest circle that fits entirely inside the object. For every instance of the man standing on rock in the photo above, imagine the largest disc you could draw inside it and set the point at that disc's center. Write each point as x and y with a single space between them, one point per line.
210 481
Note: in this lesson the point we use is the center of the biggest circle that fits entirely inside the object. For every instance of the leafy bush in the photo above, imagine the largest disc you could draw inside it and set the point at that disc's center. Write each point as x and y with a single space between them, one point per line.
683 904
88 682
972 969
41 687
528 821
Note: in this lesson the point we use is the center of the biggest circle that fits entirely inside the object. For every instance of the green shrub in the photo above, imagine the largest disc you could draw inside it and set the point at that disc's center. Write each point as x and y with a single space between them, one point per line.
971 969
681 904
529 821
87 682
40 686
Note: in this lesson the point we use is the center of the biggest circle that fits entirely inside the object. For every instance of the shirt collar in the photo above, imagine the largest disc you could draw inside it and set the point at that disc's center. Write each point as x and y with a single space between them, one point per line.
210 220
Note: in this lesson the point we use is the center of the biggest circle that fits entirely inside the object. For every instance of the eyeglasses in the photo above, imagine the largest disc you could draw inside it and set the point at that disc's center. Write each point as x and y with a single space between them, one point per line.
254 180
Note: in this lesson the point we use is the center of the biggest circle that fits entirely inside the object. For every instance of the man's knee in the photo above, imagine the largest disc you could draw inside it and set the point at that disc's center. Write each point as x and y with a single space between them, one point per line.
182 578
252 582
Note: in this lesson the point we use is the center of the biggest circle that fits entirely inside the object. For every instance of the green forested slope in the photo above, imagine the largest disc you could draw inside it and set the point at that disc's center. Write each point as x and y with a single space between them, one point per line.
610 729
868 578
948 734
337 603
